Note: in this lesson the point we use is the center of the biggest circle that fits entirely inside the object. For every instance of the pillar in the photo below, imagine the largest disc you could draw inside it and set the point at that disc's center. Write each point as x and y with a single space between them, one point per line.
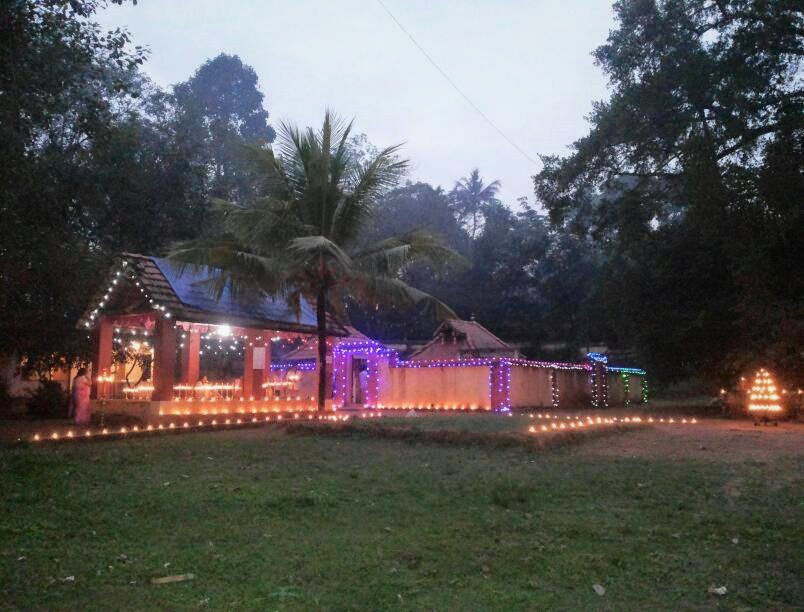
263 373
248 370
164 361
103 357
499 384
599 384
191 358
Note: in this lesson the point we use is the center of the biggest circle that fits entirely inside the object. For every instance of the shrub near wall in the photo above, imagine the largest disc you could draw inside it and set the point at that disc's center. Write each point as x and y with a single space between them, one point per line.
48 401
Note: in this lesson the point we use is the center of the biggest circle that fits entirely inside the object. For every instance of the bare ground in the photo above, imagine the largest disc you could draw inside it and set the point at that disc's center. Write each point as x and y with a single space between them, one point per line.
710 439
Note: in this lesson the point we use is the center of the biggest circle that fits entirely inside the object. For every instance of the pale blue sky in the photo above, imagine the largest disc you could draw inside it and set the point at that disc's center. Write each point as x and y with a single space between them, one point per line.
526 64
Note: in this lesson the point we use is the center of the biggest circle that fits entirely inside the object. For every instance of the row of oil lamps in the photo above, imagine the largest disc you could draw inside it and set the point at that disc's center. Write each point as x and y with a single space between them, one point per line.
560 422
188 426
580 423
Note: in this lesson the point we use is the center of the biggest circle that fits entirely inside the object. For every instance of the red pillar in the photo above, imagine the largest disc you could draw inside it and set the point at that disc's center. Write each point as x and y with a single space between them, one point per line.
261 373
164 361
255 371
248 370
102 359
191 358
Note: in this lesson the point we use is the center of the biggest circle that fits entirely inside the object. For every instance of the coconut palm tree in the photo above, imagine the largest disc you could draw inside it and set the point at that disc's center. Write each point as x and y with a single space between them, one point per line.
470 195
299 237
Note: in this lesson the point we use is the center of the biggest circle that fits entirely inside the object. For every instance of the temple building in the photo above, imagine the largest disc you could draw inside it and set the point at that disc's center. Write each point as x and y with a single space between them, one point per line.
164 340
459 339
173 340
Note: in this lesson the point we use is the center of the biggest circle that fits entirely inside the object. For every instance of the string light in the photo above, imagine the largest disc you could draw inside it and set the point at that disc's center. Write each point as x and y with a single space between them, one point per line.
499 375
554 388
580 422
130 274
626 388
500 370
305 365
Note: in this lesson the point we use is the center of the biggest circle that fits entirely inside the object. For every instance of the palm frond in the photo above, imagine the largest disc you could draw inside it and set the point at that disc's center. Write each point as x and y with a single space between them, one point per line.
266 169
368 180
377 289
312 248
392 255
263 224
226 266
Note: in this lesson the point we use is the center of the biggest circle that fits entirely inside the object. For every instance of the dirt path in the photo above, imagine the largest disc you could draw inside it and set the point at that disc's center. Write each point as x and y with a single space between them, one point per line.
710 439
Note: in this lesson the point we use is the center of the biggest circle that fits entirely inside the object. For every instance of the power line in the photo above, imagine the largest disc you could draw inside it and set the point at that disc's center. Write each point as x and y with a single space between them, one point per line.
455 86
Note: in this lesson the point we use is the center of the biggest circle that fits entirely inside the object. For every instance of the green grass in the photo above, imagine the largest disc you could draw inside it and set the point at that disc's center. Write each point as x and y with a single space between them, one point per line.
270 521
479 422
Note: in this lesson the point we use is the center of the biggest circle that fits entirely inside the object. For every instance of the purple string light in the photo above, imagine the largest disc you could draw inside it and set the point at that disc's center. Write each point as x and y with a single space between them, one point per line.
499 379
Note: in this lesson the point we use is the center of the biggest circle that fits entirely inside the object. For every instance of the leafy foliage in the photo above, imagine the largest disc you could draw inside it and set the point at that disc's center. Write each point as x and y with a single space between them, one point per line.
299 237
95 160
62 81
48 400
223 102
674 182
469 197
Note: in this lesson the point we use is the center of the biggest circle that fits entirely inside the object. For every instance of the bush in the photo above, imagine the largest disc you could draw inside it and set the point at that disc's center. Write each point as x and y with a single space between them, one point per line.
48 401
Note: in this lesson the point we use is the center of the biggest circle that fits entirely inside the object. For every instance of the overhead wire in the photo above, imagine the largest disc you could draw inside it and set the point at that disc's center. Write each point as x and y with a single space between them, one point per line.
454 85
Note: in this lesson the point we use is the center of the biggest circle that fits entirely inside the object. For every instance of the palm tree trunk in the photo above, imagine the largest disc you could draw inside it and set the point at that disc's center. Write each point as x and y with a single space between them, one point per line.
321 327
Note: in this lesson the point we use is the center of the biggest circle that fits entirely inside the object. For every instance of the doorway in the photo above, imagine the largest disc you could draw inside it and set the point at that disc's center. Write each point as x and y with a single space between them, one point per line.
359 381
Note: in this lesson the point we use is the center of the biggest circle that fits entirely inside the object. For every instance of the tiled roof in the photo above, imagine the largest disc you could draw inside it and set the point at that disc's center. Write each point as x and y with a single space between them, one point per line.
309 350
456 338
185 295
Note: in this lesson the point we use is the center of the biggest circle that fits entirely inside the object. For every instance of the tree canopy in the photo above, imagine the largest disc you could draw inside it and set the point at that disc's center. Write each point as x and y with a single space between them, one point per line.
222 100
675 177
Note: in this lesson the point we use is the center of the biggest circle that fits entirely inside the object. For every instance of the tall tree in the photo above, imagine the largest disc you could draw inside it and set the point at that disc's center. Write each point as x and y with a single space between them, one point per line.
150 188
62 80
223 98
300 237
707 105
470 195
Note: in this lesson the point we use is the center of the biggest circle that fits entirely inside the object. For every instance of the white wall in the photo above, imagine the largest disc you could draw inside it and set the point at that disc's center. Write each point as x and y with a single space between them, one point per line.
437 386
530 387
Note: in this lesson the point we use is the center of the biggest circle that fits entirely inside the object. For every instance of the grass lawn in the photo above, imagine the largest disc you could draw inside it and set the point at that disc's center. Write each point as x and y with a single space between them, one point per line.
479 422
266 520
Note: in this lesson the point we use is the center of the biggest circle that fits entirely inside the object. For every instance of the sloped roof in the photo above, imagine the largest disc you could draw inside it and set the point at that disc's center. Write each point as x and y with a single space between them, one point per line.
185 294
456 339
191 286
309 349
